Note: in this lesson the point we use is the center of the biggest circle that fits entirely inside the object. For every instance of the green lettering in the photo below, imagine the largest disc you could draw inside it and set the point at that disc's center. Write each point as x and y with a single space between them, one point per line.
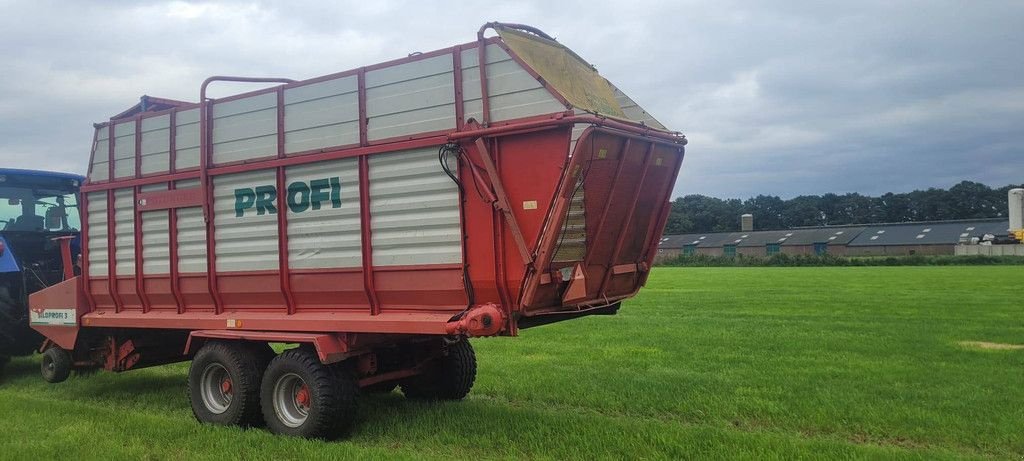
319 191
298 197
265 196
244 198
335 192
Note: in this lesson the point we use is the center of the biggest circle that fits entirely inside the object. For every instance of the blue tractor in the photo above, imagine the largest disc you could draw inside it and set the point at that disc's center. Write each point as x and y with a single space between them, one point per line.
36 209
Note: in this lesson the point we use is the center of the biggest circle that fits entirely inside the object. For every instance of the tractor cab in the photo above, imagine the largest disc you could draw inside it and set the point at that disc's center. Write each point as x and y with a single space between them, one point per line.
37 208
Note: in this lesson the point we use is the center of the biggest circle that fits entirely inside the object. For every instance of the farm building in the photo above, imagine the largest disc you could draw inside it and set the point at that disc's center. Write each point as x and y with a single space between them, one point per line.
928 238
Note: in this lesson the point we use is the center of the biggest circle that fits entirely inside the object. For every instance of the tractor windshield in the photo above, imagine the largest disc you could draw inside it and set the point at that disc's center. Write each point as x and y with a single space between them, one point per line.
29 209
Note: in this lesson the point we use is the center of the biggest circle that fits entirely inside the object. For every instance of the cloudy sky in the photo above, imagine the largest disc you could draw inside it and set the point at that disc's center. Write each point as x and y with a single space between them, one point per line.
782 98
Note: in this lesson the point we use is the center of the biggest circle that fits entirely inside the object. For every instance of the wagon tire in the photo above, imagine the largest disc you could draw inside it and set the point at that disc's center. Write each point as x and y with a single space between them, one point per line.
449 377
223 385
304 398
263 354
56 365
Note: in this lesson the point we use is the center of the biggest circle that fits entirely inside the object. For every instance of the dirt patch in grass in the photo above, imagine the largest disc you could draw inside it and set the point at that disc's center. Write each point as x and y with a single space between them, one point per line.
991 346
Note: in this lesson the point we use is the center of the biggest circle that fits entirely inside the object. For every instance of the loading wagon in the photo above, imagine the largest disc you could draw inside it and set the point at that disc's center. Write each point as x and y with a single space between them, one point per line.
376 218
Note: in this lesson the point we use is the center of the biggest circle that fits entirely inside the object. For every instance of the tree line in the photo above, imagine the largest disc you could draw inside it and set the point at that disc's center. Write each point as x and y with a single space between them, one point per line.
966 200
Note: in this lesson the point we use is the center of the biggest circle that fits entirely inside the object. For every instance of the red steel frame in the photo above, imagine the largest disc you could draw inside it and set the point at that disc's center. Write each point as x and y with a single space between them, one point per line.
483 135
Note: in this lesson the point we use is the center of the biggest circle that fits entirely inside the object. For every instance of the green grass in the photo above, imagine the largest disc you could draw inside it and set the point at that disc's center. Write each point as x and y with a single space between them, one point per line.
784 363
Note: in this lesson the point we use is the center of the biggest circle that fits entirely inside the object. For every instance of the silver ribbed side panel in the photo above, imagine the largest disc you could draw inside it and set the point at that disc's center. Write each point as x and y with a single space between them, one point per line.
414 209
155 237
124 231
513 92
101 156
633 110
327 237
156 145
245 128
320 115
248 242
572 241
191 234
186 139
410 98
97 234
124 149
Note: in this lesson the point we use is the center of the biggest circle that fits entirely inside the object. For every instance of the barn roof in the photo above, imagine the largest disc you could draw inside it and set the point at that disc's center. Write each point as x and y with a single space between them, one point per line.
929 233
911 233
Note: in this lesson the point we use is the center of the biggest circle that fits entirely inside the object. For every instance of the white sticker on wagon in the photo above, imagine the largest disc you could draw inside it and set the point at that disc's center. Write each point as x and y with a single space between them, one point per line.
53 317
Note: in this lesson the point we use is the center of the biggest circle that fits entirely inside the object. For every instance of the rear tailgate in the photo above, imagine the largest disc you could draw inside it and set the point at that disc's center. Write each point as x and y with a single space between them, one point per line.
611 210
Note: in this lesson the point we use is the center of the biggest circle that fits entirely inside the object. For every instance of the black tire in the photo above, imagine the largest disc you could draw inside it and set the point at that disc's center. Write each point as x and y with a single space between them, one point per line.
385 387
304 398
263 353
16 337
56 365
234 369
449 377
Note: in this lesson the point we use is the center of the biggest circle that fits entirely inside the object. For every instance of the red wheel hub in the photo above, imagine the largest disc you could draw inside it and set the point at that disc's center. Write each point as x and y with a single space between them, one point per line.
225 386
302 396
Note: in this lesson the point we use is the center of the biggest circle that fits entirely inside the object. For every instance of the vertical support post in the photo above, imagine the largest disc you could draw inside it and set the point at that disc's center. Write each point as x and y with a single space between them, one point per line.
111 253
282 211
140 286
172 219
460 109
111 257
205 160
485 102
367 234
83 202
361 96
110 152
138 146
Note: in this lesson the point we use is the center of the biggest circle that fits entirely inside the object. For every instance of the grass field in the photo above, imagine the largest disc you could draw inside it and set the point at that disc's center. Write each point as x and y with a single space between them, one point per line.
857 362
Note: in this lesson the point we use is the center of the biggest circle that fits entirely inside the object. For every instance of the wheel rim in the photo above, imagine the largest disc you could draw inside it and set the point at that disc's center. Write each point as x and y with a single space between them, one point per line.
48 365
216 388
291 400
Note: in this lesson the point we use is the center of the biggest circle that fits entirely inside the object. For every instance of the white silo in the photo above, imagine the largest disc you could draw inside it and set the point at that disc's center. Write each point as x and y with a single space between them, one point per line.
747 222
1016 199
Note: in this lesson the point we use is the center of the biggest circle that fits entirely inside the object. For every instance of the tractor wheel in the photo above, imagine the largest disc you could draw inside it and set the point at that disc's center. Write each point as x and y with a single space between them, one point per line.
56 365
449 377
16 337
224 383
304 398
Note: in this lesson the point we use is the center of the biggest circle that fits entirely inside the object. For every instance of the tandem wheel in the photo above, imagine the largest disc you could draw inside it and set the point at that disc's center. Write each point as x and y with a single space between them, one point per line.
56 365
448 377
223 384
302 397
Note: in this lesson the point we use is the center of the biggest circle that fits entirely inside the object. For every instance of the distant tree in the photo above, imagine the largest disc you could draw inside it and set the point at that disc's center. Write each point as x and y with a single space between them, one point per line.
966 200
767 211
803 211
